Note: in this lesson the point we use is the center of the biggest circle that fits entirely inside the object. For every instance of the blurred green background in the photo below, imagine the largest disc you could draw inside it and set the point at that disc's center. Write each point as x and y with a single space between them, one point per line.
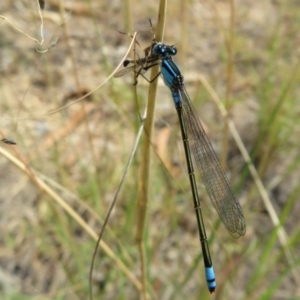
249 54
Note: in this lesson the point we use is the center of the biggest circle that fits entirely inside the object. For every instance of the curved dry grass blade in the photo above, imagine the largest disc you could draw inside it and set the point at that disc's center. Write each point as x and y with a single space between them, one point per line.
114 202
43 186
41 4
91 92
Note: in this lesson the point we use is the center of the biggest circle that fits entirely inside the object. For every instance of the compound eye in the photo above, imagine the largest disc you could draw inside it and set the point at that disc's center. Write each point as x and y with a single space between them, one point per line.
174 50
162 49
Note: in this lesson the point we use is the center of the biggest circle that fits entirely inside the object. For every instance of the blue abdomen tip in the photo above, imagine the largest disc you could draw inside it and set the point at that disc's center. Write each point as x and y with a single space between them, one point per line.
210 278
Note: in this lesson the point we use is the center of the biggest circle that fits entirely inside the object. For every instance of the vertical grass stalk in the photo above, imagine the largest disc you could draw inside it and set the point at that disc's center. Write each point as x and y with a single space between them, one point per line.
143 187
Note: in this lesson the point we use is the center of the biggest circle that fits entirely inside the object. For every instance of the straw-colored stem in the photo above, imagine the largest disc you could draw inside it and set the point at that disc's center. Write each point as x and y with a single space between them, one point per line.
128 19
230 53
143 189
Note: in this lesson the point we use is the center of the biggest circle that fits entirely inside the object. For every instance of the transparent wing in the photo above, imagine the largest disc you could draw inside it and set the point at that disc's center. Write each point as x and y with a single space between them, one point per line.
214 179
140 66
126 71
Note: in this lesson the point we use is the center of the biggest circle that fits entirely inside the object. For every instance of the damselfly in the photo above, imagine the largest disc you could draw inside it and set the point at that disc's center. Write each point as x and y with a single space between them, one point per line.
195 141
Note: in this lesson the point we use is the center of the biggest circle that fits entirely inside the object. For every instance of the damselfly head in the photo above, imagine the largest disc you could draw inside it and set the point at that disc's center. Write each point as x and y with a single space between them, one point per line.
163 49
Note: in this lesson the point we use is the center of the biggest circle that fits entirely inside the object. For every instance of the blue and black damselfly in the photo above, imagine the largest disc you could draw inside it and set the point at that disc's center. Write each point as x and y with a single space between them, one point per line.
196 145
